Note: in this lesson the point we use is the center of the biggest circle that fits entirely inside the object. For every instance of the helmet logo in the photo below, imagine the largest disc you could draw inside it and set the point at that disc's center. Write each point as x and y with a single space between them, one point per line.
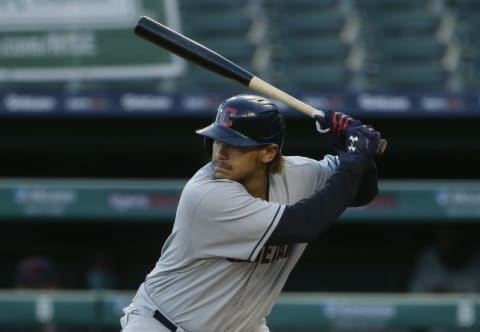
224 117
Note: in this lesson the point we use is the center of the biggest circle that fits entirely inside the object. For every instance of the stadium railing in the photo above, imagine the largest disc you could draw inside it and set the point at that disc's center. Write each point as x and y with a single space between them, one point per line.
293 310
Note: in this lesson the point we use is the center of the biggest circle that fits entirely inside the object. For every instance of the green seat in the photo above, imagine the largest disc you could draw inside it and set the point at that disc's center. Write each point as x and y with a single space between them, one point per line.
306 5
216 24
200 78
412 48
390 5
317 76
309 24
404 23
464 6
470 23
474 81
203 6
234 49
412 77
315 49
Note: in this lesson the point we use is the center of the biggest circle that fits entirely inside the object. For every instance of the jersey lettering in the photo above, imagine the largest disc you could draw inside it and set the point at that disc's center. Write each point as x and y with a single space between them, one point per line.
268 254
224 119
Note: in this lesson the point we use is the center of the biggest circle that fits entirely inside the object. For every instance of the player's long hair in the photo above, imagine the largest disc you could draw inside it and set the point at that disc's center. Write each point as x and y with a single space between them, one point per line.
277 165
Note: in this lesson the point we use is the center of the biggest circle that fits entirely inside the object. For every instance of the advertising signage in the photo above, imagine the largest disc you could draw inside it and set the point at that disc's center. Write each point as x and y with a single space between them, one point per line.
59 40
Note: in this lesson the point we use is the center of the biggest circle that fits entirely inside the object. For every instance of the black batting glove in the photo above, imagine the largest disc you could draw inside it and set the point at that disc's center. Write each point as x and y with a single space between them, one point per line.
337 122
361 143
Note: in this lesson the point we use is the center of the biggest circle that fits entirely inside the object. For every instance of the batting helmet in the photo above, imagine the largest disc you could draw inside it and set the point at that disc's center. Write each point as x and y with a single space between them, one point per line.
246 121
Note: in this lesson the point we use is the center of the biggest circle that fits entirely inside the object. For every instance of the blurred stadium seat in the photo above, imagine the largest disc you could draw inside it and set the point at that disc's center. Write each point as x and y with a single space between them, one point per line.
308 5
274 38
467 13
411 76
392 4
412 48
404 23
309 44
223 26
408 44
211 5
316 76
346 44
316 49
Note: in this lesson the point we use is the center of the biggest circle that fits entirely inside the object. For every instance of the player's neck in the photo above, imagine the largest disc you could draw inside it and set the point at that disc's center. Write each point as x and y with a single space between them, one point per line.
258 186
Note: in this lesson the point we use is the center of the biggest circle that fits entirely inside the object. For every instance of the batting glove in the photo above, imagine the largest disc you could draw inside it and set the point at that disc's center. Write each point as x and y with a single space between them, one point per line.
361 143
337 122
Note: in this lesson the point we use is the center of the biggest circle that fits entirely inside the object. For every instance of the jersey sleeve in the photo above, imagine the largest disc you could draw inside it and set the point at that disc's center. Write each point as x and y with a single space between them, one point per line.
326 167
228 222
308 175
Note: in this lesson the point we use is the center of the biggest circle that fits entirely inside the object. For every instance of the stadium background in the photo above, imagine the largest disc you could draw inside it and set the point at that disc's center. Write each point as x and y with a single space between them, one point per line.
74 126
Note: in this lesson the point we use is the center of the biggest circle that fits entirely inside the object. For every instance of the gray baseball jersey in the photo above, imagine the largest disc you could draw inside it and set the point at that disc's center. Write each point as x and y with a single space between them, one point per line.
215 272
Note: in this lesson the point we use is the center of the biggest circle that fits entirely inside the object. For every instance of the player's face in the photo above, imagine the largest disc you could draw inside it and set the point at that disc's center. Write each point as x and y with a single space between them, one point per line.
241 163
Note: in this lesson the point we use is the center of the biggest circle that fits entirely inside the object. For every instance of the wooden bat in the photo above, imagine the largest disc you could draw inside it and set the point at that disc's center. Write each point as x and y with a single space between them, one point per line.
195 52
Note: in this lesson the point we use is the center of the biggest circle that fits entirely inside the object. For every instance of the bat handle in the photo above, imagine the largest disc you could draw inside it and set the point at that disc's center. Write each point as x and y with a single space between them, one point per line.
382 146
267 89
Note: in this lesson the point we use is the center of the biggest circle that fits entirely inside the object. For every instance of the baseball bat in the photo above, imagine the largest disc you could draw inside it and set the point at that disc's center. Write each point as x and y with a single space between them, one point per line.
199 54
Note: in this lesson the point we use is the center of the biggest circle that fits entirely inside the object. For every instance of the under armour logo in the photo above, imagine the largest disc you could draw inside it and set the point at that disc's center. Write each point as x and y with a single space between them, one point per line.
353 140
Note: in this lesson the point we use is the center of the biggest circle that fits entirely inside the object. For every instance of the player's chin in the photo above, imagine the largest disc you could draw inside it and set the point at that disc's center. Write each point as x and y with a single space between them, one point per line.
220 175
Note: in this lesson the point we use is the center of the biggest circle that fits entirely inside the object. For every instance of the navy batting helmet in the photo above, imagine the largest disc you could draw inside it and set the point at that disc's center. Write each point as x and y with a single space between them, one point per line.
246 121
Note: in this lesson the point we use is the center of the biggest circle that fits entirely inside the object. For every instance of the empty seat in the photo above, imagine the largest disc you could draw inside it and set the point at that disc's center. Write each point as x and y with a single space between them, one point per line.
222 26
212 5
315 49
412 77
214 24
234 49
316 77
411 48
379 6
312 6
464 6
202 79
405 23
311 24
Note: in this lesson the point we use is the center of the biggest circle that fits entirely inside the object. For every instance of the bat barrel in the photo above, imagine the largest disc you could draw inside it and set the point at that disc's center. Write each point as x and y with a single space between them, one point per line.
189 49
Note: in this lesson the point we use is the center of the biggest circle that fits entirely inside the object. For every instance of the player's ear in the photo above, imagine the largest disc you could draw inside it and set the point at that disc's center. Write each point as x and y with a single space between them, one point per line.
269 153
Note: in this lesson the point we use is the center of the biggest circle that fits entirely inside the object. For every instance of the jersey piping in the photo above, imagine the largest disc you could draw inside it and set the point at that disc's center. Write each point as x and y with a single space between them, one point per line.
257 246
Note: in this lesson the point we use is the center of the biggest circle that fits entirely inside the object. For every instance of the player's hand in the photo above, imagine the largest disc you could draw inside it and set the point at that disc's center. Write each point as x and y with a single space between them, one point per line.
361 143
337 122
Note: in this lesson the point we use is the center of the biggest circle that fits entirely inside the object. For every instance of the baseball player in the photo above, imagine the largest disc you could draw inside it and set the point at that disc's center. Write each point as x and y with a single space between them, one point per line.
245 218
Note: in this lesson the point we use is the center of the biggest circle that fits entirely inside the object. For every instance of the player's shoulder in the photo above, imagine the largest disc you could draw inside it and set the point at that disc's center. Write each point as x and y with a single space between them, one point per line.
299 162
203 184
204 177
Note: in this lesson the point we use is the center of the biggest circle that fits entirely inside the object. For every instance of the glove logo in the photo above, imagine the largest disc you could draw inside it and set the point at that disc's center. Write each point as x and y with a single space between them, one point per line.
353 140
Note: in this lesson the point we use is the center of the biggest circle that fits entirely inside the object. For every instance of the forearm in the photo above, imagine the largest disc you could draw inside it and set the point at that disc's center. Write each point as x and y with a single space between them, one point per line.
368 187
306 219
